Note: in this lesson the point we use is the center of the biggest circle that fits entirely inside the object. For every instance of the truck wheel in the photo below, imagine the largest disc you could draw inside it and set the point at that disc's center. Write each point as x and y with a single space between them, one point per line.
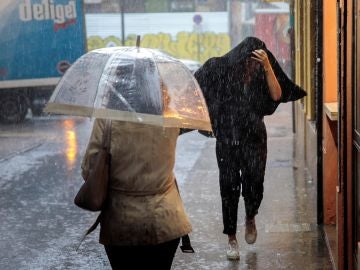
37 110
13 108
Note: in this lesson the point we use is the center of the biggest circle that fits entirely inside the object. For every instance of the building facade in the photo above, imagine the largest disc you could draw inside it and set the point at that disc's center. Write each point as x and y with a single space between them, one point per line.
327 121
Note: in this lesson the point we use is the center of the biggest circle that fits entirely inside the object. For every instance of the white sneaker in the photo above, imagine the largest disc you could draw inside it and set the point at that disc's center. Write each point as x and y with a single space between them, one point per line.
250 231
233 250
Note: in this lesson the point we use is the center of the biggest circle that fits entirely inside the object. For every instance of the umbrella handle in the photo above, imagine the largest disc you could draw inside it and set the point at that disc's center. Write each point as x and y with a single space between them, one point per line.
138 42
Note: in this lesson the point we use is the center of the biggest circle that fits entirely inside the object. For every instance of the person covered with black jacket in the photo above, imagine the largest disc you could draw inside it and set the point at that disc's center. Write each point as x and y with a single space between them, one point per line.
240 88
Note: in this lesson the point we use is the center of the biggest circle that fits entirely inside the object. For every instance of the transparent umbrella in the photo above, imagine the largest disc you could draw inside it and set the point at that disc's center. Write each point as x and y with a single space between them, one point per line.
131 84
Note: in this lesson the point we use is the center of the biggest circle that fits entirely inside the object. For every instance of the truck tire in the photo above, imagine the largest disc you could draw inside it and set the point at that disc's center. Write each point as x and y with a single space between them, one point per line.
13 108
37 110
38 97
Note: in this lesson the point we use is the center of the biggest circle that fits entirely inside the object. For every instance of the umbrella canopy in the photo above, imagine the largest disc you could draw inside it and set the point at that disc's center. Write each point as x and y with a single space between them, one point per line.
131 84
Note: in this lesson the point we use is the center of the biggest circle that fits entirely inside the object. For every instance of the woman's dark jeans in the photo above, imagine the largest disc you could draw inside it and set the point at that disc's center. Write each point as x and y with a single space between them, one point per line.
158 257
241 167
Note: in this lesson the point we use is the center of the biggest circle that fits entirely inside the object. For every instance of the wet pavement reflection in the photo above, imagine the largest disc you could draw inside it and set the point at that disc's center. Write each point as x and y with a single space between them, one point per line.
71 143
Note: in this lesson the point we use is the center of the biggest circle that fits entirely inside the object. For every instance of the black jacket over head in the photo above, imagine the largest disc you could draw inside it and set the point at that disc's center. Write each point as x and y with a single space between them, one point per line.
235 108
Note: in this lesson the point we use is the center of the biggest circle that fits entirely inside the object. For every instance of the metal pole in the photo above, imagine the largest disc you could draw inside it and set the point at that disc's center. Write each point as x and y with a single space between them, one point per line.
198 46
319 106
292 52
198 33
235 24
122 23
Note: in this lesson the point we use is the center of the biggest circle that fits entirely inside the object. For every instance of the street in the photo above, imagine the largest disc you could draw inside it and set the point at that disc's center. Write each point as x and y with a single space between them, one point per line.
39 177
41 227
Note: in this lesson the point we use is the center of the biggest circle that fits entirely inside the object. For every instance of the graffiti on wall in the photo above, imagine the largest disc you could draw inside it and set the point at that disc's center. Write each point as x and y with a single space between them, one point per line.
187 45
273 29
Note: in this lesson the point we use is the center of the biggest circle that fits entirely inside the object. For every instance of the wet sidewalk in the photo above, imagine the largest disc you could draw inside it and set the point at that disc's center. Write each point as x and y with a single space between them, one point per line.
288 236
41 227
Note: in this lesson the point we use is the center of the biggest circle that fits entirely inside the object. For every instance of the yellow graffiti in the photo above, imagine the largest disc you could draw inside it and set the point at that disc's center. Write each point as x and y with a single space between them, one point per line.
187 45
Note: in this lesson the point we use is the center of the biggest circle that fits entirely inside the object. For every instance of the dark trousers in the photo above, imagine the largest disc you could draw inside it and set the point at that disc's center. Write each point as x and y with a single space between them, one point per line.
241 167
159 257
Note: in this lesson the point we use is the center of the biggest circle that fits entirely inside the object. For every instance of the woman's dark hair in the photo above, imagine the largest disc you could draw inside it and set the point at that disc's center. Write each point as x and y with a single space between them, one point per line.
241 52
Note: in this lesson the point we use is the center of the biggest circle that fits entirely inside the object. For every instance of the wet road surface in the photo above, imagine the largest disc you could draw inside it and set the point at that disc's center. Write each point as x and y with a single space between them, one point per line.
40 225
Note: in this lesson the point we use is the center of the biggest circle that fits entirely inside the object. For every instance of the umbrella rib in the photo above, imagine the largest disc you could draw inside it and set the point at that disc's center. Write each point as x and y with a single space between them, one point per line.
160 78
128 106
101 80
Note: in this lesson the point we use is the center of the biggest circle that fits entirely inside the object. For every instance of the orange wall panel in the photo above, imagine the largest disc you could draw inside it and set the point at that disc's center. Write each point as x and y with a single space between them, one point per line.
330 51
330 84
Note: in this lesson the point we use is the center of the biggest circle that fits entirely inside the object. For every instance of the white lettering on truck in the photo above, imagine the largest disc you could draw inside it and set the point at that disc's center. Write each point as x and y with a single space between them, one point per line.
47 10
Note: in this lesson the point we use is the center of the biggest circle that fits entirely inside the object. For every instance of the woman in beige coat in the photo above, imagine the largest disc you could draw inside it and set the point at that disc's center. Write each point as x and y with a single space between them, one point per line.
144 217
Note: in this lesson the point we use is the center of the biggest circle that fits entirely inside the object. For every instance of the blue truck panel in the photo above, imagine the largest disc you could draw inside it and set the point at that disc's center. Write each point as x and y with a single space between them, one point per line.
40 38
